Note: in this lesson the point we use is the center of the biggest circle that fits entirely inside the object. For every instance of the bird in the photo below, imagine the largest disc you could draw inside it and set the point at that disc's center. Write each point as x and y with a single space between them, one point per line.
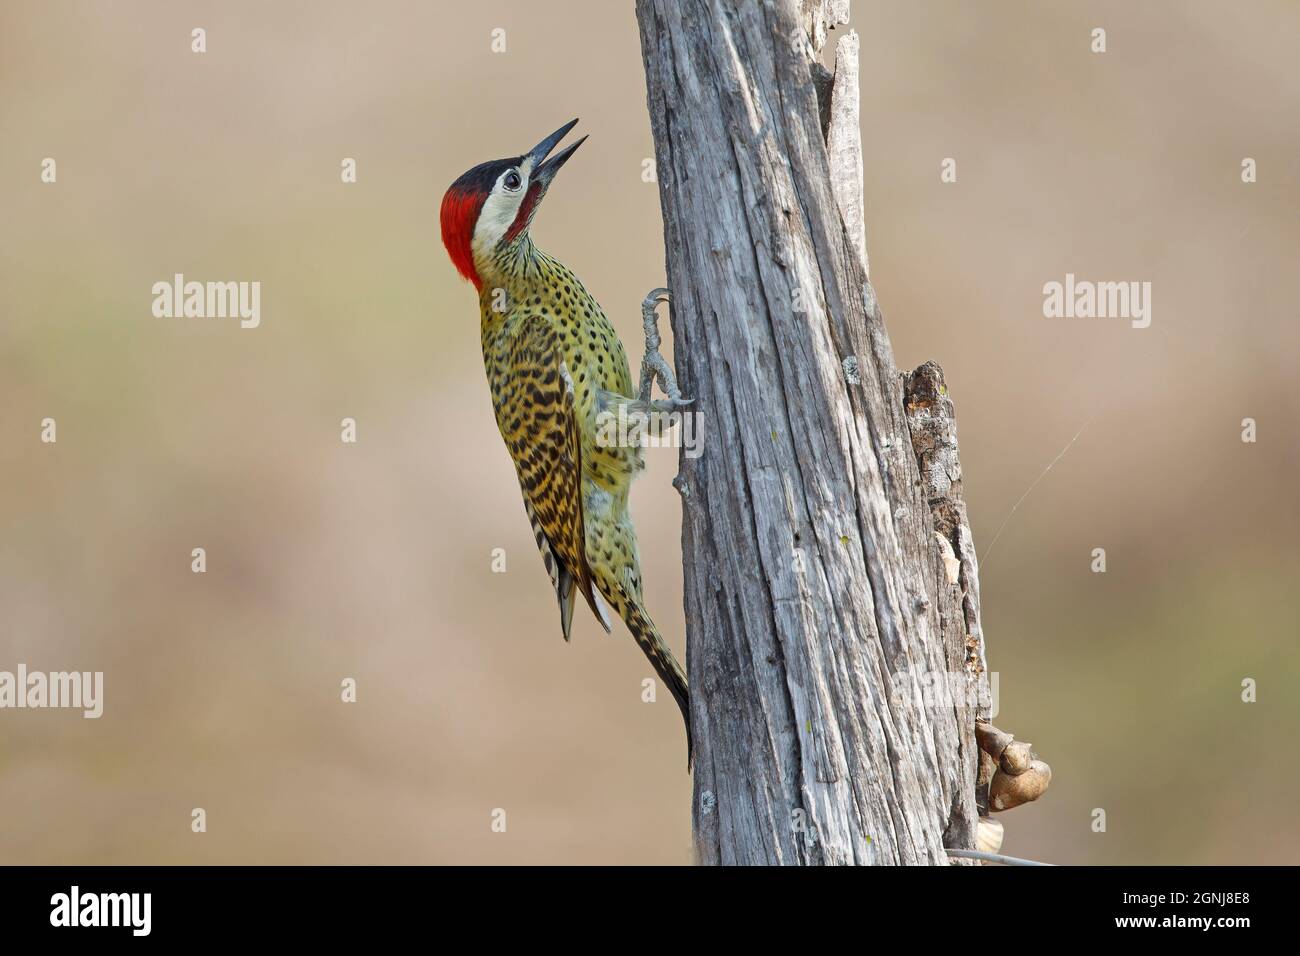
557 373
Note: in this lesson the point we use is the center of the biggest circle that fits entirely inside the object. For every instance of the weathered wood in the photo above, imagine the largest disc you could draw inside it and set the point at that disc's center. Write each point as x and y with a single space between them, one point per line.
933 426
817 600
844 145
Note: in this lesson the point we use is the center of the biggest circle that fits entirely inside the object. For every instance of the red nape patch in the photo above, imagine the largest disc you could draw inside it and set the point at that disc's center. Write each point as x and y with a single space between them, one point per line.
460 211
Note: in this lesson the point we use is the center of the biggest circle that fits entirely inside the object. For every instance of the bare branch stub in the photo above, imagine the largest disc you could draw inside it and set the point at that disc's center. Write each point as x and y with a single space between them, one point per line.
933 425
1009 773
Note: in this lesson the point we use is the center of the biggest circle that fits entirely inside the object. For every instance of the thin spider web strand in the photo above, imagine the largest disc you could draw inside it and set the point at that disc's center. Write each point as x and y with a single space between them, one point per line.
1029 490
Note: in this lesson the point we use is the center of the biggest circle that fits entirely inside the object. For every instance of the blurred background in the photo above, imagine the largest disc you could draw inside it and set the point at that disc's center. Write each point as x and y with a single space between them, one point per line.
374 560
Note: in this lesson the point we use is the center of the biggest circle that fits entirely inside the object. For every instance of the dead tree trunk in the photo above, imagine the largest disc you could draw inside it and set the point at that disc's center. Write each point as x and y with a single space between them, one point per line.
821 614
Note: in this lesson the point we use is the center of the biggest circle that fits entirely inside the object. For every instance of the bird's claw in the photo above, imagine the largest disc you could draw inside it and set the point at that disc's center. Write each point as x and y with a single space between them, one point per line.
653 298
669 405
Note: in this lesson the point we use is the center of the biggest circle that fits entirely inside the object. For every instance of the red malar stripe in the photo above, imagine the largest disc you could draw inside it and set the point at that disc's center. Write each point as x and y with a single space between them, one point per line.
525 212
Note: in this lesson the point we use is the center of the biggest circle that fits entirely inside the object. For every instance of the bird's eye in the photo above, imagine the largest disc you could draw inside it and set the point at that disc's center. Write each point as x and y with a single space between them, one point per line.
512 181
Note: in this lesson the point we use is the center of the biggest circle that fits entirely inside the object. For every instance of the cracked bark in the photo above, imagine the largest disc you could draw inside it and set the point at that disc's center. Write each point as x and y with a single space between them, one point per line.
818 603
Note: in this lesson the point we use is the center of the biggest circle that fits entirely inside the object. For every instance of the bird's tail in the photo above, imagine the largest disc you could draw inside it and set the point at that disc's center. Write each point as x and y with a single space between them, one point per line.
660 656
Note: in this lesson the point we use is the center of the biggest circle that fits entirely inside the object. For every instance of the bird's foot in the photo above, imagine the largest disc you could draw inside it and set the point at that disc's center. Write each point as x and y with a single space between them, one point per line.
654 366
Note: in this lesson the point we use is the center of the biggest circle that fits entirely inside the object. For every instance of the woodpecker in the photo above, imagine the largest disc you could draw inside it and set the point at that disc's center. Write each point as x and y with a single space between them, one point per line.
555 366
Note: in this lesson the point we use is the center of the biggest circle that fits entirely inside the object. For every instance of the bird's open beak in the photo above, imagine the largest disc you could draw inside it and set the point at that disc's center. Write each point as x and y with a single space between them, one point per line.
544 169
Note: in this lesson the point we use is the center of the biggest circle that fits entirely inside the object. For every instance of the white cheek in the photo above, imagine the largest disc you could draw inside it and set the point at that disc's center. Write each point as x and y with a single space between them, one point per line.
497 216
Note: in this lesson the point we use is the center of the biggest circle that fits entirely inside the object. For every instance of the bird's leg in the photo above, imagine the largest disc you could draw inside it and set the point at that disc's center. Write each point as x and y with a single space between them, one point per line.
655 366
645 414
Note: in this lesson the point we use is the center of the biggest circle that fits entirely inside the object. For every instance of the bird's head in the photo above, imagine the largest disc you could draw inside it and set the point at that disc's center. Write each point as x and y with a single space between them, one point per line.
492 204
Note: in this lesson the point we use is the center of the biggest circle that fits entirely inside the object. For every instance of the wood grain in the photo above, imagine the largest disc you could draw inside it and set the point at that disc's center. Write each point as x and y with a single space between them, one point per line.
814 587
